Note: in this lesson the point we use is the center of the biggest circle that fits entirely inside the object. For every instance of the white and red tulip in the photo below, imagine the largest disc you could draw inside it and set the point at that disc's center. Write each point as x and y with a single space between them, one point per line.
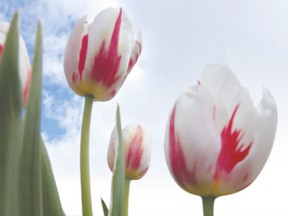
100 55
137 148
216 141
24 62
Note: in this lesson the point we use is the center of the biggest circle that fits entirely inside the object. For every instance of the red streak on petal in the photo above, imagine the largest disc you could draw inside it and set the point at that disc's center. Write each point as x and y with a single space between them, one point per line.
177 159
135 150
107 62
26 87
1 51
74 76
231 153
82 55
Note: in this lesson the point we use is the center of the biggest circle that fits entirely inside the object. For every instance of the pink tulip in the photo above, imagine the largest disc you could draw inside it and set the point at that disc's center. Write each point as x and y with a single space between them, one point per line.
24 62
216 141
137 149
100 55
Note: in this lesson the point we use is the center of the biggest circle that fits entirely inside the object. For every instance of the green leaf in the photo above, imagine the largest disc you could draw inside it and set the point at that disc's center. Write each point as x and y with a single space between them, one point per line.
38 191
51 200
104 207
10 118
118 179
27 185
30 181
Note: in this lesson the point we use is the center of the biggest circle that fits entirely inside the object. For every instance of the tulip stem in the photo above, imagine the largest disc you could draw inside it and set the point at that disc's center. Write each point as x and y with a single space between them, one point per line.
208 205
84 158
126 196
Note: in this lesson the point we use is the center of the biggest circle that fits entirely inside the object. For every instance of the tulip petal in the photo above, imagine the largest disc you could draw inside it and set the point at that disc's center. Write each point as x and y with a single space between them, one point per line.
25 69
265 131
228 94
263 136
107 61
4 27
227 91
175 157
135 52
109 47
135 150
197 137
83 54
74 58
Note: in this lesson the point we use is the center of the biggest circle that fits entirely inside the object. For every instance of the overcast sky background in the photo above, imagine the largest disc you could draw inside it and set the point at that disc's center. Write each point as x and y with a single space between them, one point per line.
180 38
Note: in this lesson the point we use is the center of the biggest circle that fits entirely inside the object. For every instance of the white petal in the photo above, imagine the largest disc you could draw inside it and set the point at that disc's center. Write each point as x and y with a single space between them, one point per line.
136 51
4 27
197 132
111 149
147 141
265 132
72 51
24 63
221 81
228 93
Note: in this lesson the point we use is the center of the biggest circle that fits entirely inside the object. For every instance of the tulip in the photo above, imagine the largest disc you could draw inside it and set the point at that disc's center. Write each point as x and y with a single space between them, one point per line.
216 140
137 152
100 55
24 62
136 142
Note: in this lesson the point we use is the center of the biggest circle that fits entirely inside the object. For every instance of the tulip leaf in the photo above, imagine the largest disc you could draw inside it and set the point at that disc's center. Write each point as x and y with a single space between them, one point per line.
38 192
104 207
27 185
51 200
10 120
30 181
118 179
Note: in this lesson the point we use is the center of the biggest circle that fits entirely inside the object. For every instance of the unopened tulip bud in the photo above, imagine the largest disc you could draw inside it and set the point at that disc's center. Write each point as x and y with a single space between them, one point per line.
137 147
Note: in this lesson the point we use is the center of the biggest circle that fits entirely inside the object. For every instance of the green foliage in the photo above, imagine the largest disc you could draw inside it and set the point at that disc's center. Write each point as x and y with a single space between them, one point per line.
10 121
118 179
104 207
27 185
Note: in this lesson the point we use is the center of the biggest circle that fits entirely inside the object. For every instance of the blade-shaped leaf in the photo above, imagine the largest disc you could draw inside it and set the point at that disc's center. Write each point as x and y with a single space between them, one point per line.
51 200
104 207
118 179
10 121
30 181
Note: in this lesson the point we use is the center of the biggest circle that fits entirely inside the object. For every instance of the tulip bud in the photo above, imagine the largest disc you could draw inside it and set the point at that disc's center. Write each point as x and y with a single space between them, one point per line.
137 147
100 55
24 62
217 142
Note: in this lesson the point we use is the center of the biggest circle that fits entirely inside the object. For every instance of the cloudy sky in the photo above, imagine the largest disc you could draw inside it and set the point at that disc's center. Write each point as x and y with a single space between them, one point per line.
180 38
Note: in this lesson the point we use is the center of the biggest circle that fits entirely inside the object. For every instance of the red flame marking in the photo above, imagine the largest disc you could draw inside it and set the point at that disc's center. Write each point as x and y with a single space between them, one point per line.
107 62
135 150
231 153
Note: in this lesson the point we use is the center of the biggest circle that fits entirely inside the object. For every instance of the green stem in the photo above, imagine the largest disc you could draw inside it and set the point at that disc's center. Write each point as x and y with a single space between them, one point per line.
208 205
84 158
126 196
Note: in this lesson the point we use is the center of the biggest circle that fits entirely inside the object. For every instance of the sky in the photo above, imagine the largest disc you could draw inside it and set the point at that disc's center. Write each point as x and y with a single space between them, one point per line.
179 39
